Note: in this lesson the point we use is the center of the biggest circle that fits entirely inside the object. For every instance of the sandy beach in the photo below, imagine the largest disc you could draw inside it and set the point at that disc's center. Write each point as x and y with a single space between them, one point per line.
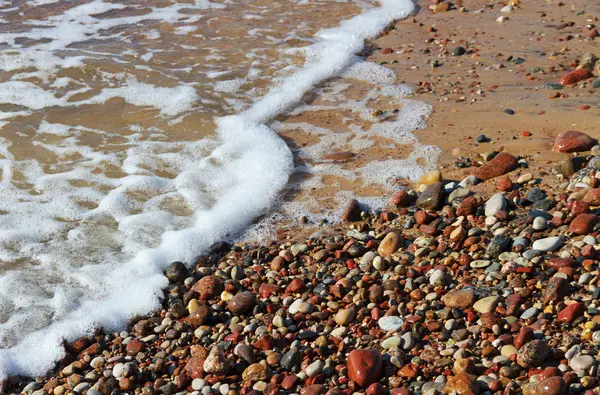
481 278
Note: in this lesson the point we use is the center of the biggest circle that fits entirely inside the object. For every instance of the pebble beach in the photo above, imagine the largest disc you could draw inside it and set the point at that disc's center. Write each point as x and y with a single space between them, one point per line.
483 277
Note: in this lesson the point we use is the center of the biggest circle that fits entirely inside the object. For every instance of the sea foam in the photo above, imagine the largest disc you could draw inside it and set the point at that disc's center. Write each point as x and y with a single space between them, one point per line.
244 173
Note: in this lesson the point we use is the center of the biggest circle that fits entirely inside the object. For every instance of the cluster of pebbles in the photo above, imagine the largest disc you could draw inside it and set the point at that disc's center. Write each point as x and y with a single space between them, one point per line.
445 292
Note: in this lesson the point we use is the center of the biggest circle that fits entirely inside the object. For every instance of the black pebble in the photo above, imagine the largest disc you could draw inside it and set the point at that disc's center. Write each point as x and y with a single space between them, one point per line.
509 111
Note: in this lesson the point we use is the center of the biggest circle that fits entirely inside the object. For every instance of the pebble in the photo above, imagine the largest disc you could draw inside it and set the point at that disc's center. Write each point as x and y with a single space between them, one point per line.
495 204
487 304
581 363
390 323
548 244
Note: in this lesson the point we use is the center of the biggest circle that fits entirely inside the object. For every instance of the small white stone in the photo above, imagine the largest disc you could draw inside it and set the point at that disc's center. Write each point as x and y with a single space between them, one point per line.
548 244
390 323
539 223
495 204
581 363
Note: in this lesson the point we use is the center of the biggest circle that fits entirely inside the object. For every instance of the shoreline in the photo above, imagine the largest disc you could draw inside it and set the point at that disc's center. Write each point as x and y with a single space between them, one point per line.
477 295
330 295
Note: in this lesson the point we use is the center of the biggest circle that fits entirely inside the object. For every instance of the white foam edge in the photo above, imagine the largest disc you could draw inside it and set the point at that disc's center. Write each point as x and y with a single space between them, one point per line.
259 163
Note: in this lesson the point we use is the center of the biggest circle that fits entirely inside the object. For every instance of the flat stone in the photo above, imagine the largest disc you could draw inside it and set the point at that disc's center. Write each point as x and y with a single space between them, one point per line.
501 164
571 312
583 224
460 299
556 289
487 304
390 323
576 76
548 244
581 363
480 263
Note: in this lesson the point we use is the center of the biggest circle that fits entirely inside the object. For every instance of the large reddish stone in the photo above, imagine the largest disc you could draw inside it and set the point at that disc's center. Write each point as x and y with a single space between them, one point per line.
266 342
573 141
467 207
295 286
571 312
575 76
593 197
461 299
364 366
583 224
579 206
461 384
268 290
501 164
315 389
194 368
134 347
557 263
504 184
401 199
524 337
290 382
242 302
556 290
208 287
352 211
552 386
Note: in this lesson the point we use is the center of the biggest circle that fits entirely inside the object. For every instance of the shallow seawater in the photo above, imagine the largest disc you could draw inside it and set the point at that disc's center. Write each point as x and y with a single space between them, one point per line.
134 133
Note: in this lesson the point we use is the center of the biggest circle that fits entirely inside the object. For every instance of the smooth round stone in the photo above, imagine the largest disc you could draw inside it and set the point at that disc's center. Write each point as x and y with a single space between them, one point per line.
530 313
367 259
500 359
539 223
584 278
344 316
300 306
548 244
458 193
530 254
525 178
590 240
408 340
390 323
486 305
508 350
495 204
339 331
391 342
81 387
32 387
581 362
118 370
573 351
314 368
480 264
450 324
508 256
468 182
